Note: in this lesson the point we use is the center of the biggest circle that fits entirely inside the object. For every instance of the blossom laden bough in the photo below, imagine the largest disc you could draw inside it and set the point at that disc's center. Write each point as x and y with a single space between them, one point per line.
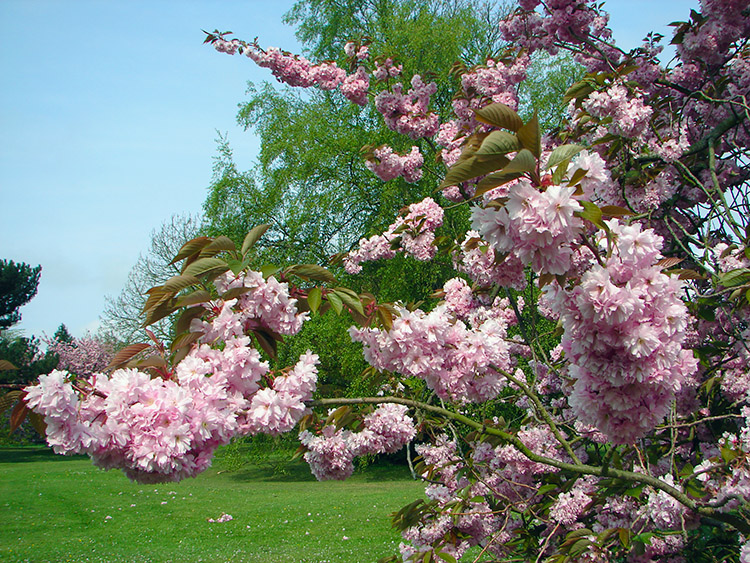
596 409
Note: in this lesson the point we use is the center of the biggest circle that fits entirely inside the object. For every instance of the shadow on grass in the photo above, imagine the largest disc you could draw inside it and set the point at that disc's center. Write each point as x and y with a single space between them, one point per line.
298 471
284 472
33 454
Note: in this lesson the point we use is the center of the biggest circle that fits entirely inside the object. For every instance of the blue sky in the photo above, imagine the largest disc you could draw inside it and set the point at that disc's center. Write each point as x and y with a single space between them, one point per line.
108 120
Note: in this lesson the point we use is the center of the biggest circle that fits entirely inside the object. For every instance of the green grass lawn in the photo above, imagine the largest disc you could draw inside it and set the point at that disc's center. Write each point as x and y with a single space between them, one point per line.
63 509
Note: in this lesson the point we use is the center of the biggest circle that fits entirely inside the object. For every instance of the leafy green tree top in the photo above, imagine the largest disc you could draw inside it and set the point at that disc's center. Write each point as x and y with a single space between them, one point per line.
18 285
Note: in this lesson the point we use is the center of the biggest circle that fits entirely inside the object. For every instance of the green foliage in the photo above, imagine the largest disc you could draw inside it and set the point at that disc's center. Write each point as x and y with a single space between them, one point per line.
24 353
543 91
466 30
18 285
311 182
62 335
341 360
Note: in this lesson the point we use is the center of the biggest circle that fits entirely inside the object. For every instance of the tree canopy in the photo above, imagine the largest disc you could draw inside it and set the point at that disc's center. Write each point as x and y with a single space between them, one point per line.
18 285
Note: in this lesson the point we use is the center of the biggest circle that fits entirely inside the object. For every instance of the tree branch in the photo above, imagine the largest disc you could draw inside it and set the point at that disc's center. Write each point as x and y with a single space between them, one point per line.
735 521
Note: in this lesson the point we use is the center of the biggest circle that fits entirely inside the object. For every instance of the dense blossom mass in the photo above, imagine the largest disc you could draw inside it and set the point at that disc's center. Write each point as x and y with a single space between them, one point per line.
593 338
166 429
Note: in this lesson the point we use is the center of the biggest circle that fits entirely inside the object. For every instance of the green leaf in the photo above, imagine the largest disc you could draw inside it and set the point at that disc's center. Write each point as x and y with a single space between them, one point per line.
159 312
497 143
615 211
471 168
727 454
522 163
560 171
269 270
635 492
499 115
578 91
530 137
314 297
127 354
219 244
195 298
153 361
350 298
187 316
312 272
578 175
252 237
733 278
37 422
266 342
235 265
205 265
18 415
8 400
178 283
336 302
191 247
562 153
546 488
446 557
592 213
386 316
185 339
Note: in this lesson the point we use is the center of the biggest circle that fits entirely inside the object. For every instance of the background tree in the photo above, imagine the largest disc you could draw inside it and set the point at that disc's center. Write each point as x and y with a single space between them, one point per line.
311 182
122 320
62 334
18 284
26 355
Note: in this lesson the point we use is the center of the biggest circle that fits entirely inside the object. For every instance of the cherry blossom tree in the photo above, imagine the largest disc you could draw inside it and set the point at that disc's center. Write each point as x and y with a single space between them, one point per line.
578 392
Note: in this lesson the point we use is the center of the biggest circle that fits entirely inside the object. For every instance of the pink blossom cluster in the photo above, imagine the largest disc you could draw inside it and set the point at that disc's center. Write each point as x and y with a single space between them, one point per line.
569 506
414 233
502 474
710 41
164 429
458 361
451 138
359 52
598 185
459 299
266 304
150 428
539 228
665 511
492 82
167 429
630 116
480 262
408 114
277 409
495 78
387 69
388 165
82 356
623 331
568 21
295 70
355 86
729 489
330 455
